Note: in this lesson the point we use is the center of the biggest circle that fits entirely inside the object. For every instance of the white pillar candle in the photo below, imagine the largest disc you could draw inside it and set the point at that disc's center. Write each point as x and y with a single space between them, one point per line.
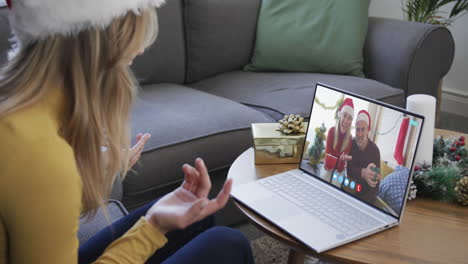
425 105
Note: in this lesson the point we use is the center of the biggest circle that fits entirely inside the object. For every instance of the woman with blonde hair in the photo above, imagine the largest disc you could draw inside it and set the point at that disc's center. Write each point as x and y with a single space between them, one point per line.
339 140
65 93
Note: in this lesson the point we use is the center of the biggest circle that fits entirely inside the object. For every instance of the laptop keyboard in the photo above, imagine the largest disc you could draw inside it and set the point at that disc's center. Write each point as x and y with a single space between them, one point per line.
319 203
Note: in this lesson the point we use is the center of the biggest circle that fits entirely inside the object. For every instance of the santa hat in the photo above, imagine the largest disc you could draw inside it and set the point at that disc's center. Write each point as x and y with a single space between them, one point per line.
38 19
347 107
363 115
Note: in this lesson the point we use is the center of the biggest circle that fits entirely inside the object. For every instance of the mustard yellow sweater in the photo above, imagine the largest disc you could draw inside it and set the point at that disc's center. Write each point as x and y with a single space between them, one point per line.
40 195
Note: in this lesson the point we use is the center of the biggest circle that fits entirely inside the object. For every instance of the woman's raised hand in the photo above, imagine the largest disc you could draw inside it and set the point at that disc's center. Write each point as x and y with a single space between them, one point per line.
189 203
135 151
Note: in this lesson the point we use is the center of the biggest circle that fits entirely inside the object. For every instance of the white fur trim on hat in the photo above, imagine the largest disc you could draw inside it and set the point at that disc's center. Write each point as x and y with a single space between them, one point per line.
347 109
37 19
363 117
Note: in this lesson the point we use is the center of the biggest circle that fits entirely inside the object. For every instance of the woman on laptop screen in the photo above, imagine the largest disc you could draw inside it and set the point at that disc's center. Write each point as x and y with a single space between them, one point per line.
339 140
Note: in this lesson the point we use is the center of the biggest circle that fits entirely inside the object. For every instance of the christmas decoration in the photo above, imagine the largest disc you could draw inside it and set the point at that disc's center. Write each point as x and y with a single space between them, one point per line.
461 190
337 104
316 152
363 115
400 144
272 146
447 178
33 20
412 191
335 107
450 152
437 182
347 107
291 124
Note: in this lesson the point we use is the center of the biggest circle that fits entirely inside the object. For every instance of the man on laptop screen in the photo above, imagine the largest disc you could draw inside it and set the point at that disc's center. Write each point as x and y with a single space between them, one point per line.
375 166
364 161
353 177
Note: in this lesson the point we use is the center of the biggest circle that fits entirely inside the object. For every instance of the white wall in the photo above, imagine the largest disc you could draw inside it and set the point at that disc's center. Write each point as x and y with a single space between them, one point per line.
455 83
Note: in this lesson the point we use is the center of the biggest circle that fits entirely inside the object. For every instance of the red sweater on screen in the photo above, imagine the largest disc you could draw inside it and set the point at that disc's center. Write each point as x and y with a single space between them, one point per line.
337 152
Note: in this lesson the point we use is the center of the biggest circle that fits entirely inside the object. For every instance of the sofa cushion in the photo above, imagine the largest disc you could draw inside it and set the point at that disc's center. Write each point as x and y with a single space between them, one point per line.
220 35
164 61
185 124
286 93
393 187
311 36
104 217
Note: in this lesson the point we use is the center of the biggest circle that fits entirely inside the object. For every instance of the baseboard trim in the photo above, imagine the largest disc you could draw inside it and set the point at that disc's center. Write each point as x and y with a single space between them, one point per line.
455 102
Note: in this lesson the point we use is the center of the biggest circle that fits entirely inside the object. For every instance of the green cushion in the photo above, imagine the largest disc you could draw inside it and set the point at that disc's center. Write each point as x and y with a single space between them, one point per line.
322 36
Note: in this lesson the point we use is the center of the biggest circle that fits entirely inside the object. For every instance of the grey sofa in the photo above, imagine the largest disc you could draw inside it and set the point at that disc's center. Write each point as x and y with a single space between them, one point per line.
196 101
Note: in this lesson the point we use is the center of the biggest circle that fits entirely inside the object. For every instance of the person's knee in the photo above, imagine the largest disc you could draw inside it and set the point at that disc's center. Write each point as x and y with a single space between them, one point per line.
225 238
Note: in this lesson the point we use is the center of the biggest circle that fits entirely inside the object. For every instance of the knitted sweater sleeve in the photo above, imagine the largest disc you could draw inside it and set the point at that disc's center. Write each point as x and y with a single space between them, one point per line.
40 203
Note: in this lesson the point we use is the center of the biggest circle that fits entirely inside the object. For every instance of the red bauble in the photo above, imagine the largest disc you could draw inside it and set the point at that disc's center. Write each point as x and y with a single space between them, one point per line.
416 168
457 158
462 143
453 149
462 138
456 142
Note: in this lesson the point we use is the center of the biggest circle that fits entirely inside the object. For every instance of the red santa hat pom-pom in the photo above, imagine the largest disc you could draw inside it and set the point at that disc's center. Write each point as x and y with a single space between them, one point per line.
347 107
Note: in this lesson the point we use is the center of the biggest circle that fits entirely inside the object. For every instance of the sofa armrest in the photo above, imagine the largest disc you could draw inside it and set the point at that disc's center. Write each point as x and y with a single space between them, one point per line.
407 55
117 189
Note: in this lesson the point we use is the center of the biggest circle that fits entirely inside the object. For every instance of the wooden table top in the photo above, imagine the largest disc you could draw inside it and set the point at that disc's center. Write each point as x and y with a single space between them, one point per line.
430 232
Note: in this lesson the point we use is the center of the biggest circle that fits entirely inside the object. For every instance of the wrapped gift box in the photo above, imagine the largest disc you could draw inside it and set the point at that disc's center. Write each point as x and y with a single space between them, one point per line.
272 146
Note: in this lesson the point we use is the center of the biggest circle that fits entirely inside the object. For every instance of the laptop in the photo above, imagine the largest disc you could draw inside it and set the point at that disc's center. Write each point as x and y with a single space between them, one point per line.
334 201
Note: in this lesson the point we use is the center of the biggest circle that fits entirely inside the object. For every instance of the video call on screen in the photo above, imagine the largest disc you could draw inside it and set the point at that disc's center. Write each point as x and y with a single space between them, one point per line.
361 147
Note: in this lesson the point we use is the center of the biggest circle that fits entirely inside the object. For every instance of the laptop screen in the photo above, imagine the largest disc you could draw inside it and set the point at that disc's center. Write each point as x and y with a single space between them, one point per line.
361 146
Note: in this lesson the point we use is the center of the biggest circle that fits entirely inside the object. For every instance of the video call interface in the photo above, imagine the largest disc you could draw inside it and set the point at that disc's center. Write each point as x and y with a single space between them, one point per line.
363 148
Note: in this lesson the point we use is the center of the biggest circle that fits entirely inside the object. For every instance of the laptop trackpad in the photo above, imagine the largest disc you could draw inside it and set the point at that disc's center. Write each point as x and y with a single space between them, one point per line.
275 208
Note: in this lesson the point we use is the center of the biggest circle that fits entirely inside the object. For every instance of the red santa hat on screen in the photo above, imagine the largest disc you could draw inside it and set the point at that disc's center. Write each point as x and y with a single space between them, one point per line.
347 107
32 20
363 115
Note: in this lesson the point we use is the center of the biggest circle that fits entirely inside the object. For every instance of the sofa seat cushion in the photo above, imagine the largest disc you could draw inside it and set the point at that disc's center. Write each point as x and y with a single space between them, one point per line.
185 123
286 93
103 218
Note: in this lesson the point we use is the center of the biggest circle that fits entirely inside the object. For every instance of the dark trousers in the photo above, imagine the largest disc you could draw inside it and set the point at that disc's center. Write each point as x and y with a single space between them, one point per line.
199 243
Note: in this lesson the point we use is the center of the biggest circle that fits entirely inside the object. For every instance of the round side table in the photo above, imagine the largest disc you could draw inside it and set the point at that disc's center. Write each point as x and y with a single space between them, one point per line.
412 241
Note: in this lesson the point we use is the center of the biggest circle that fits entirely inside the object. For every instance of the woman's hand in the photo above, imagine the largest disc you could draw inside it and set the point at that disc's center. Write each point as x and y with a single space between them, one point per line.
189 203
135 151
344 157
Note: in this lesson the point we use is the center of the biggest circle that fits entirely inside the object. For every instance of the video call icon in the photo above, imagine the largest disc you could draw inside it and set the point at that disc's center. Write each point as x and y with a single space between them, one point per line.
352 185
341 179
359 188
346 182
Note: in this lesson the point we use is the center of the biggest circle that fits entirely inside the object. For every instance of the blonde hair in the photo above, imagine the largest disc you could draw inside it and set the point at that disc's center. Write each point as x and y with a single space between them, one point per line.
337 134
92 70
